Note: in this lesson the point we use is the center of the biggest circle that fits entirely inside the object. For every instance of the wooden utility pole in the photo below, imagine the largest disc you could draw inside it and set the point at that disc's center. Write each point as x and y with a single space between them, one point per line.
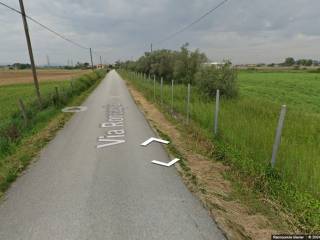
151 47
91 59
48 61
33 66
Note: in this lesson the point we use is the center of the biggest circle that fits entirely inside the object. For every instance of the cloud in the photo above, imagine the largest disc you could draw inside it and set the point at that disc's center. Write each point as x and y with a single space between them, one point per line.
241 30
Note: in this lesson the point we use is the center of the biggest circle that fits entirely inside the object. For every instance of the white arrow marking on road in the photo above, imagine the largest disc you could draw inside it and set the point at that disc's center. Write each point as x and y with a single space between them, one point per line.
166 164
150 140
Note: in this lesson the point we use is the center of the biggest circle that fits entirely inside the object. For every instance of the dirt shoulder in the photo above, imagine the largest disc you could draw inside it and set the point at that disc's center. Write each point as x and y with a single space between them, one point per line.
208 179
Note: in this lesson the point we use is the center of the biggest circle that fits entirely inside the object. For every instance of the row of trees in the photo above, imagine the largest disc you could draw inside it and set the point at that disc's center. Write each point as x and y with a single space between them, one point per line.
290 61
20 66
184 67
179 65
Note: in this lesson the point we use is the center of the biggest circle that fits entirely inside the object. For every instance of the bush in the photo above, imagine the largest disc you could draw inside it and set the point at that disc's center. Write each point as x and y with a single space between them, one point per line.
210 78
314 70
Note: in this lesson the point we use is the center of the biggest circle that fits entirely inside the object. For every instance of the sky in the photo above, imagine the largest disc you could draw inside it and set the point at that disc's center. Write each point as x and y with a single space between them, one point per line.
243 31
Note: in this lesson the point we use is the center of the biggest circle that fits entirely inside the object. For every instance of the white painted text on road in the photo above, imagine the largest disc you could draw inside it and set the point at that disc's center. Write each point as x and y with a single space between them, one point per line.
114 127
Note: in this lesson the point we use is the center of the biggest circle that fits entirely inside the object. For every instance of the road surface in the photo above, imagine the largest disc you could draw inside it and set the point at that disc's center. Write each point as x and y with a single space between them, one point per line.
95 181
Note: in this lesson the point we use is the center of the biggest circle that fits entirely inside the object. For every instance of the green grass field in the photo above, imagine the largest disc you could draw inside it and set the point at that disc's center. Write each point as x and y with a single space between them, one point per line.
10 94
247 127
299 90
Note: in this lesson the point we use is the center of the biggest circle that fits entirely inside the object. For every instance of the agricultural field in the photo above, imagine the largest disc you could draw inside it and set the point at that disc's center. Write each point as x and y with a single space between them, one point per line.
9 77
10 94
248 123
15 84
299 90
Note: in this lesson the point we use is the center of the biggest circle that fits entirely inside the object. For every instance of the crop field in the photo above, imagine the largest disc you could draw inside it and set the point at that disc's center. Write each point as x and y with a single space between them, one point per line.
10 94
248 123
15 84
299 90
9 77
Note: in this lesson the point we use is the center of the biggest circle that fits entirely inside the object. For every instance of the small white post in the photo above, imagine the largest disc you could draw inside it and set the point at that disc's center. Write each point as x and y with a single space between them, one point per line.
277 140
172 82
188 104
216 116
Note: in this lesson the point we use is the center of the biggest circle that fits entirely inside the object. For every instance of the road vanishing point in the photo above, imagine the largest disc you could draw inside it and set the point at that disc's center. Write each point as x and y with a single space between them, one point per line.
94 181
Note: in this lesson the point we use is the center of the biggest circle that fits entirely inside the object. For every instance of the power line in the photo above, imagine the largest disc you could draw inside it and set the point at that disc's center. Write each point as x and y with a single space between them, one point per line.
45 27
191 24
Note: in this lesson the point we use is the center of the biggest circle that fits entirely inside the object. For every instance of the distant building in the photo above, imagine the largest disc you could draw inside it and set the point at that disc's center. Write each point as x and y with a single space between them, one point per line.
100 66
216 64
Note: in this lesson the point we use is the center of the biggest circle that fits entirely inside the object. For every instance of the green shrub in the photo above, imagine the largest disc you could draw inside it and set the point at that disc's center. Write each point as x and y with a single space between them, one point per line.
210 78
315 70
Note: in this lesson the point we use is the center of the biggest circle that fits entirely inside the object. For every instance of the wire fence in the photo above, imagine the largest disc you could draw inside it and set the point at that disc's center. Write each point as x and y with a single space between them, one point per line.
261 136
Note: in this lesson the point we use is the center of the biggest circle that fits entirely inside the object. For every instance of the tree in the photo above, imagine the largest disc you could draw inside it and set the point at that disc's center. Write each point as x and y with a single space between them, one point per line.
211 78
289 61
309 62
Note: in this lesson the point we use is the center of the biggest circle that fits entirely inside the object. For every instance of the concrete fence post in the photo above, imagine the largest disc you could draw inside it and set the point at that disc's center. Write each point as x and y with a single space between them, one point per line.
277 140
216 115
188 103
172 84
154 88
161 93
23 111
71 85
57 95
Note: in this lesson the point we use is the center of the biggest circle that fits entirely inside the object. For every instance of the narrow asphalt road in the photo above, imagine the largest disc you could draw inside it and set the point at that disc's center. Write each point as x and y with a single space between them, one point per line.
95 181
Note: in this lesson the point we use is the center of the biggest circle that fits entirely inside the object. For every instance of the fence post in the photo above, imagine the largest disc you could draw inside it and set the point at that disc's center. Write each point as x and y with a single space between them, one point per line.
172 83
23 111
216 116
277 140
154 88
71 84
188 103
57 94
161 90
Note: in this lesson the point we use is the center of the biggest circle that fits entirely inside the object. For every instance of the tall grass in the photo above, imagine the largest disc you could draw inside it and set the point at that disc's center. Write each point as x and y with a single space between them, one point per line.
247 125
